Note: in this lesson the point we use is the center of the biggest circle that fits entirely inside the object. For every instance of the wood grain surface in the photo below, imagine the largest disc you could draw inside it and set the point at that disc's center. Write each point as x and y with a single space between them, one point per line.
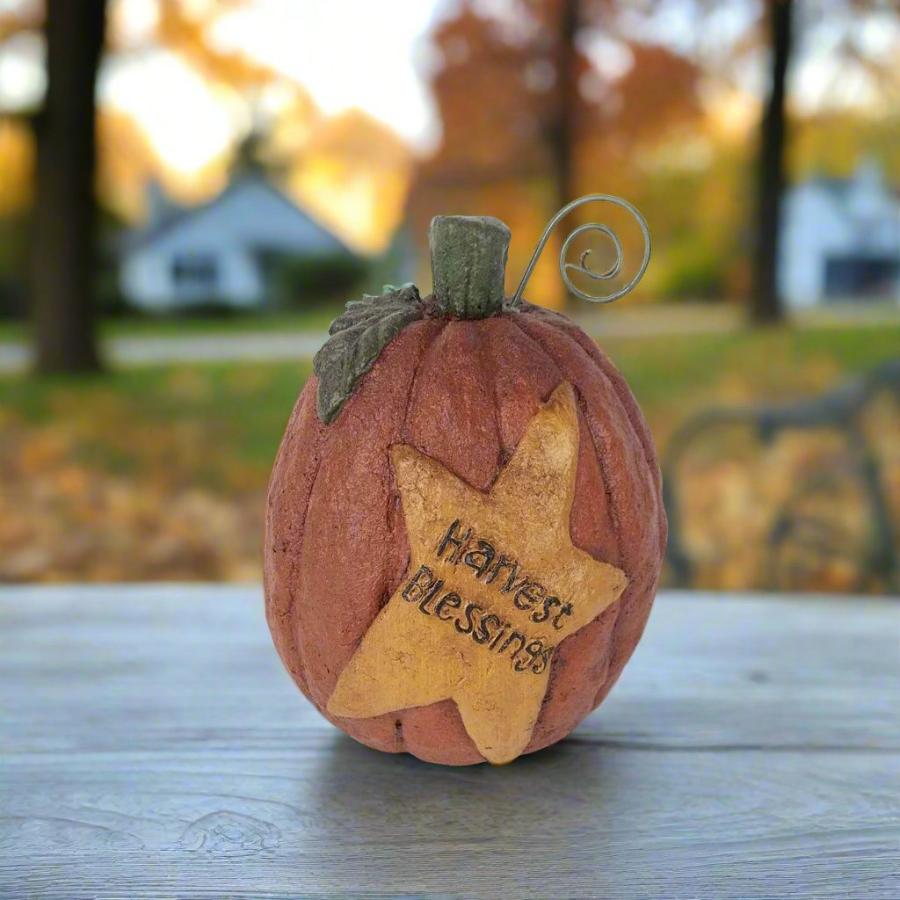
151 745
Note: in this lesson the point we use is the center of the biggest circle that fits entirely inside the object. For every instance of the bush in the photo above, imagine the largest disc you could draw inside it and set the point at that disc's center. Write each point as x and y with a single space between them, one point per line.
300 282
692 270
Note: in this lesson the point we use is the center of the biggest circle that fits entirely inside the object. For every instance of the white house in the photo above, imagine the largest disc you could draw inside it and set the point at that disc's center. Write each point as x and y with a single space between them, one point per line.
220 251
840 240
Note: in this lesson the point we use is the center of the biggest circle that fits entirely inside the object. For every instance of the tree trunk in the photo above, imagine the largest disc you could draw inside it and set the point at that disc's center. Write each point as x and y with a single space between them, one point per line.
766 305
562 130
63 247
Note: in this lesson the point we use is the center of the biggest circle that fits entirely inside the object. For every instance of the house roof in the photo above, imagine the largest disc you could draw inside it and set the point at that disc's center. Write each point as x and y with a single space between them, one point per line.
865 195
176 216
868 173
834 185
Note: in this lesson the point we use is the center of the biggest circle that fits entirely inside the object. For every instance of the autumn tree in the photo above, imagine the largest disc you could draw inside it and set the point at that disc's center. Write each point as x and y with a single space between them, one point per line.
522 132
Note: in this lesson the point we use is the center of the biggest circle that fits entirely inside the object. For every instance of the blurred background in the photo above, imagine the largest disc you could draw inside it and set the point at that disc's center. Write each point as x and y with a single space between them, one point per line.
190 189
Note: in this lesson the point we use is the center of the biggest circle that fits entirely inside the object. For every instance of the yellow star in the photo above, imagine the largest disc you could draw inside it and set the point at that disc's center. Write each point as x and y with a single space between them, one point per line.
494 585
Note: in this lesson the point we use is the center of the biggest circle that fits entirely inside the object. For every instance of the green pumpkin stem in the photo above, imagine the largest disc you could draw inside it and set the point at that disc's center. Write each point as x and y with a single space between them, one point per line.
468 265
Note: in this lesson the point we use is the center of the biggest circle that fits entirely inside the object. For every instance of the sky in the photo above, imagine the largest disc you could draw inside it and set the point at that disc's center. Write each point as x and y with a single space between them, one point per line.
351 53
348 53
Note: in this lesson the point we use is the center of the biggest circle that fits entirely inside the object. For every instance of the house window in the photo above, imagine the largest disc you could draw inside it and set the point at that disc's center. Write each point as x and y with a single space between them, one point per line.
196 272
859 276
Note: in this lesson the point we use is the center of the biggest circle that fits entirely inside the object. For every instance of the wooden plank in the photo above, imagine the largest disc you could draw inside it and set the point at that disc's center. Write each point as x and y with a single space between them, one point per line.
151 746
711 671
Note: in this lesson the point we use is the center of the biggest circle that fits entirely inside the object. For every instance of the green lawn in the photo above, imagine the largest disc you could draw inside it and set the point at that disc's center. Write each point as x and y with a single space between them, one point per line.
317 318
237 411
673 375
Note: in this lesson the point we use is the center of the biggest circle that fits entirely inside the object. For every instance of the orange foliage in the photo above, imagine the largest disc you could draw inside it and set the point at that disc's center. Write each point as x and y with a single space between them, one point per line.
655 95
25 16
486 103
126 160
186 30
353 173
16 162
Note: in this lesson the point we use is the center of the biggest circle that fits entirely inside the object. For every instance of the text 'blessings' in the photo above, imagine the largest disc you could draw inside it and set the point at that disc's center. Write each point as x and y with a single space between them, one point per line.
484 627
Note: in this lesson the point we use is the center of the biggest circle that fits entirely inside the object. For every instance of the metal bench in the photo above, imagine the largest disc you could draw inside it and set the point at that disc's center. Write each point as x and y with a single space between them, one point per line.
877 564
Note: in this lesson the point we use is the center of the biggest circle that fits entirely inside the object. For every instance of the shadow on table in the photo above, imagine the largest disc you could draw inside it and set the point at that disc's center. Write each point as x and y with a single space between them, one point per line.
410 821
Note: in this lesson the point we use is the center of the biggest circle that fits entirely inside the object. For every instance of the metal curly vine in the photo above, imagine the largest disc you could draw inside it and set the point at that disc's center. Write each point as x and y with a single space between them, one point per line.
583 266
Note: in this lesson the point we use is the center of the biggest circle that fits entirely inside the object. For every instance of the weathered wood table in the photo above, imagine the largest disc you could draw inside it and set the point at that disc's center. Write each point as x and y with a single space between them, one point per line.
152 746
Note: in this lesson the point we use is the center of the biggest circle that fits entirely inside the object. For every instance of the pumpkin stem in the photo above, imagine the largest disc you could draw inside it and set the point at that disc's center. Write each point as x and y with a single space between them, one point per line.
468 264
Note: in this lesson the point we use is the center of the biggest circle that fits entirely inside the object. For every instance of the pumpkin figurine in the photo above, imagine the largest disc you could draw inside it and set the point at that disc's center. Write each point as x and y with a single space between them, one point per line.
464 528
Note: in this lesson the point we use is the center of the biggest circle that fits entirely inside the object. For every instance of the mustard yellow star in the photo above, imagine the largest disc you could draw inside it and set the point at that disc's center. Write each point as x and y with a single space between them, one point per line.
494 585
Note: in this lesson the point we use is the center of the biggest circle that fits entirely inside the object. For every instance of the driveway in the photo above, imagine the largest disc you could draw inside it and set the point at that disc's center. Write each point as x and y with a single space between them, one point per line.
138 351
640 320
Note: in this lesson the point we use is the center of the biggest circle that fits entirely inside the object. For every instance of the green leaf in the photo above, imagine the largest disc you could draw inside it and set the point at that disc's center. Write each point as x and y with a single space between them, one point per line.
357 339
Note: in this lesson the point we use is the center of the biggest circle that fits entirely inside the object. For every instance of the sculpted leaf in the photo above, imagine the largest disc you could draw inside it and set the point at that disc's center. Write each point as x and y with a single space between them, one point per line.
357 338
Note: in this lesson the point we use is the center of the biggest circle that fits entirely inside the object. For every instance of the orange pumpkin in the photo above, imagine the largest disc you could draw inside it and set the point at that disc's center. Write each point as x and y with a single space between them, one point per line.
464 529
